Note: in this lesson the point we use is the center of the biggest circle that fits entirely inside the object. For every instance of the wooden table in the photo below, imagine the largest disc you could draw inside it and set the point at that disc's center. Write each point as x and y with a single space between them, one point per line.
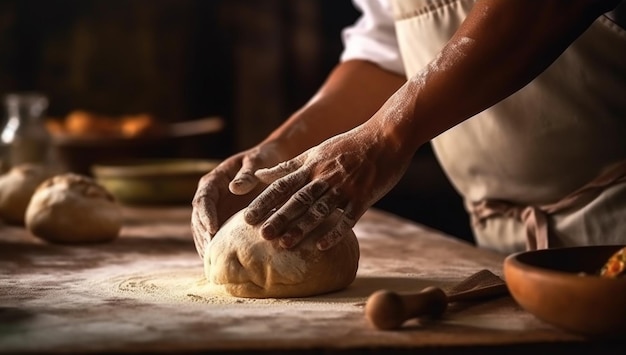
145 293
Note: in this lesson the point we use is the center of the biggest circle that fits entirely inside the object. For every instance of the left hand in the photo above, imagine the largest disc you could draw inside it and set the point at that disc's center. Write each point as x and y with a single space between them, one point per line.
229 188
349 172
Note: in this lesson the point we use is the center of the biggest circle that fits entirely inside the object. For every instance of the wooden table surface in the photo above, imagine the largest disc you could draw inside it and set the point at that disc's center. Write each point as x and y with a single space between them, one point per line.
145 292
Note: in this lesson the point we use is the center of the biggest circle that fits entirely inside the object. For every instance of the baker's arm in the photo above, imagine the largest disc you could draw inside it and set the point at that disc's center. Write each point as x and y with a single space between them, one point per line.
353 92
370 70
499 48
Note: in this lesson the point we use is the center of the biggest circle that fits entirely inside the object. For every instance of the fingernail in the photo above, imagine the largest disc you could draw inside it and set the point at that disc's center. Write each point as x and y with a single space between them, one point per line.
322 244
250 215
286 241
268 231
237 183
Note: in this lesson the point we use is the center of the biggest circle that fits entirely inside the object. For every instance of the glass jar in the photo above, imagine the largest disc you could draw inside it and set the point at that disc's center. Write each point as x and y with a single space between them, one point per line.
24 137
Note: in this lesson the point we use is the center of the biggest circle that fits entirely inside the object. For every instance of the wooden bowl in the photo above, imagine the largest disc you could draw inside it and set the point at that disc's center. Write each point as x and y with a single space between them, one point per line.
562 287
153 181
78 154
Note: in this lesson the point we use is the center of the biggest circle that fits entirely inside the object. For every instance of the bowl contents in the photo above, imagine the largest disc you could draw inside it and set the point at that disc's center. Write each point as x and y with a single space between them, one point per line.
80 123
616 265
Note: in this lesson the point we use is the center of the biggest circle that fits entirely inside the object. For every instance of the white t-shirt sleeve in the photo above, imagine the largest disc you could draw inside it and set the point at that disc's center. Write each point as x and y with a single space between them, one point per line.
373 36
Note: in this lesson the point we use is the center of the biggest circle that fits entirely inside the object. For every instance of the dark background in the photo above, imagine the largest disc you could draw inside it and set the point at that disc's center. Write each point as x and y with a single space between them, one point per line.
251 62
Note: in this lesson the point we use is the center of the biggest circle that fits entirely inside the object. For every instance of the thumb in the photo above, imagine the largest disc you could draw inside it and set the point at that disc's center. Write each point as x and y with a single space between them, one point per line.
245 181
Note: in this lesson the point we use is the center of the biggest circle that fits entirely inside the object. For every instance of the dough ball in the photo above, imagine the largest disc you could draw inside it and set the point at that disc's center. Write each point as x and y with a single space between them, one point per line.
241 263
72 208
16 188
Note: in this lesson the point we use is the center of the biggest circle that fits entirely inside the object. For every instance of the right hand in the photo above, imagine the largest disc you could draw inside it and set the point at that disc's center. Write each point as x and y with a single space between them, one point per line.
229 188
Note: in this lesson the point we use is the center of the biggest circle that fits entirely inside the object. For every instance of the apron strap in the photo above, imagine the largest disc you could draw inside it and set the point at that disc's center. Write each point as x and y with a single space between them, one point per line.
535 218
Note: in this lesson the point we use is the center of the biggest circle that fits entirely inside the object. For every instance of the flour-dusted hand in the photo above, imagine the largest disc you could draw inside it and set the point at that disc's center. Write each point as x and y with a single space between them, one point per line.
227 189
349 172
352 93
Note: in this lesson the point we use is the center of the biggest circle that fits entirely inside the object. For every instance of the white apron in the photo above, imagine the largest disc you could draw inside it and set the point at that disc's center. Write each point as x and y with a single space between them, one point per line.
545 167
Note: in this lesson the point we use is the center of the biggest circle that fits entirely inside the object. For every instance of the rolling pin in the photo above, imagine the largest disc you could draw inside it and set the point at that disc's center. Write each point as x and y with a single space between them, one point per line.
386 309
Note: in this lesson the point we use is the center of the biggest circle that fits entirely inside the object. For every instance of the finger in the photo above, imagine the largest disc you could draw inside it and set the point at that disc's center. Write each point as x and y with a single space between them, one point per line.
204 204
244 181
281 170
345 223
273 196
316 214
302 200
198 231
210 214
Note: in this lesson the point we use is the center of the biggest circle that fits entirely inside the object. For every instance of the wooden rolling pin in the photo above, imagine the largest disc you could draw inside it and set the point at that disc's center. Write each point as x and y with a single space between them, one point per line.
389 310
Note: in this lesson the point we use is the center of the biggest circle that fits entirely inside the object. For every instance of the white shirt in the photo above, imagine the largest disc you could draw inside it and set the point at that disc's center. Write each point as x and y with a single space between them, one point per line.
373 36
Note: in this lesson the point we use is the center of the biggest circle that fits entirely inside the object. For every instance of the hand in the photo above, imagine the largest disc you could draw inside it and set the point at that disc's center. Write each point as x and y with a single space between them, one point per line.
349 172
227 189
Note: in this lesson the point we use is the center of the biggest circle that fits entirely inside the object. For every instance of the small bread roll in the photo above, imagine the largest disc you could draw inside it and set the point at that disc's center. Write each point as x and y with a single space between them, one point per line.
72 208
16 188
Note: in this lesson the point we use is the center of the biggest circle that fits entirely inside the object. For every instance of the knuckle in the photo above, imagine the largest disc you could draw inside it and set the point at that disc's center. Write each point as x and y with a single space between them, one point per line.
304 197
333 237
321 209
336 191
288 165
310 222
344 224
280 186
278 219
296 233
318 187
199 199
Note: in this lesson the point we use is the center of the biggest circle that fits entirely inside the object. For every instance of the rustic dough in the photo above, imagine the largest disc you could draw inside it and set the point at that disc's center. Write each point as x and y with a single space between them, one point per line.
72 208
241 263
16 188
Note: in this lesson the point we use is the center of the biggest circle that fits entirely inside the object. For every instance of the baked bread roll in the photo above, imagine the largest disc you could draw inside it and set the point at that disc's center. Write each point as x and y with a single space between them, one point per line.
16 188
72 208
239 262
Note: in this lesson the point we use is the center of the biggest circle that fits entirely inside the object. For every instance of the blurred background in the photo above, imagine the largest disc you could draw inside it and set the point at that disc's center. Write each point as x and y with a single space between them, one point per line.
248 62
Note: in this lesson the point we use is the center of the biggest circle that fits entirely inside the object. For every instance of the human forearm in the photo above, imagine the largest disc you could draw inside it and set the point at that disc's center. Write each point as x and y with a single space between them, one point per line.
499 48
353 92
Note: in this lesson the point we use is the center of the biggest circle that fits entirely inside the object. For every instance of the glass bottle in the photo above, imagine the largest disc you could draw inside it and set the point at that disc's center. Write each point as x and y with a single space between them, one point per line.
24 137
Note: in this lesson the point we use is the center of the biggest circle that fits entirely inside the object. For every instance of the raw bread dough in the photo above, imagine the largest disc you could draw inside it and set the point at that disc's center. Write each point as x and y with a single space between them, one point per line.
72 208
241 263
16 188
